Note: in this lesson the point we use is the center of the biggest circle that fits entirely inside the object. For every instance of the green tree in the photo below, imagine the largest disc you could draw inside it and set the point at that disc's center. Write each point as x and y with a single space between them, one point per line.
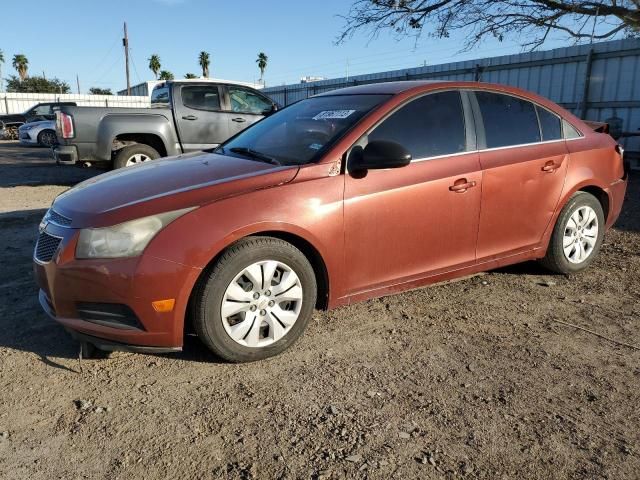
37 85
21 64
154 64
166 75
190 75
531 22
262 63
204 61
100 91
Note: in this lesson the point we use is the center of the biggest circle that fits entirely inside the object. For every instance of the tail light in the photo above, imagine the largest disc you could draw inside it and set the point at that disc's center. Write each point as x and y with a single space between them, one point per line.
64 125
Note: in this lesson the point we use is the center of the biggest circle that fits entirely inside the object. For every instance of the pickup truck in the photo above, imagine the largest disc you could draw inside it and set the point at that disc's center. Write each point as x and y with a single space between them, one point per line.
9 123
185 115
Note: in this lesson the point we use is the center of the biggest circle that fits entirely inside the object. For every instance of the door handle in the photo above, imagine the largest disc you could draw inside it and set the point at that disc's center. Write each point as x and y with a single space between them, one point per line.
461 186
189 117
238 119
550 167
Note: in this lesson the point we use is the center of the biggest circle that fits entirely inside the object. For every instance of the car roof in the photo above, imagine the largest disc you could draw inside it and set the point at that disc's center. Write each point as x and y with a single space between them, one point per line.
383 87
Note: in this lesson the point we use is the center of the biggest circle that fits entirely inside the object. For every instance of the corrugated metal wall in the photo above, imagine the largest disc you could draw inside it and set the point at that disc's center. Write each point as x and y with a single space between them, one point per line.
20 102
613 89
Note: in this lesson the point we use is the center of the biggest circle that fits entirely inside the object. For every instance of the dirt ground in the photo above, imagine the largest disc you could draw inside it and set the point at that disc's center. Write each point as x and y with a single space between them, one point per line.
472 379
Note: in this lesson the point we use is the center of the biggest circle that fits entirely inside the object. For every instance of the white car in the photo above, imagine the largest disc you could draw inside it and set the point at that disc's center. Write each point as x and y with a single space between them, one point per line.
41 133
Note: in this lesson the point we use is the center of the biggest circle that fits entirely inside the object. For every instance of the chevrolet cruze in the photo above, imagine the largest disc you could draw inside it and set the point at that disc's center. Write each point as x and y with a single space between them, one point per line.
345 196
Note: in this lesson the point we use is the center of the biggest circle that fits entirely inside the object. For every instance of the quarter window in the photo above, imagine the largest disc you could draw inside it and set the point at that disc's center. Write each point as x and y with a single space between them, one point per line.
201 97
246 101
549 124
429 126
508 120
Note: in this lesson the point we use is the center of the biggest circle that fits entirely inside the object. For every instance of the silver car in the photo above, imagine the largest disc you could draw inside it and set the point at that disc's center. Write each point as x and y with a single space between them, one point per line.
41 133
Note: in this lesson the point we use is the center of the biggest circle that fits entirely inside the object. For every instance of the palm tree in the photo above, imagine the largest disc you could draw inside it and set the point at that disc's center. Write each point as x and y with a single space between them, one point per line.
154 64
21 64
190 75
166 75
203 60
1 62
262 63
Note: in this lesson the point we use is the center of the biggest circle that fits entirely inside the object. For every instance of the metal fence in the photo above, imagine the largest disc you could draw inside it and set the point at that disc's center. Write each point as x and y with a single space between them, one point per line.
20 102
596 82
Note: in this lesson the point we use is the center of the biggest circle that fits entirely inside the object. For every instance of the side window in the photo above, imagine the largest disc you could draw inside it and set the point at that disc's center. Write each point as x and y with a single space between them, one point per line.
41 110
508 120
246 101
160 96
549 124
570 131
201 97
429 126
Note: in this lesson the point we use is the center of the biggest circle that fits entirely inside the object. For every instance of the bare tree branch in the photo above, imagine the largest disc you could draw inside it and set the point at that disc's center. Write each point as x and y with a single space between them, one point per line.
530 21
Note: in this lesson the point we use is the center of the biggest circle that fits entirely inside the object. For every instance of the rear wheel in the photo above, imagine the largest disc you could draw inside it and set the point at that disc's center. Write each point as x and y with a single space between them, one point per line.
134 155
47 138
256 301
577 235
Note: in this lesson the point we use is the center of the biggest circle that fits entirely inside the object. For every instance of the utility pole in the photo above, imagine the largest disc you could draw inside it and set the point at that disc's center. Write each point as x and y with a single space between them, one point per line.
125 43
78 83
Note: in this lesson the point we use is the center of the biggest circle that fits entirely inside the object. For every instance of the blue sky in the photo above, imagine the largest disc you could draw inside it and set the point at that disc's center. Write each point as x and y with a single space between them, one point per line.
84 37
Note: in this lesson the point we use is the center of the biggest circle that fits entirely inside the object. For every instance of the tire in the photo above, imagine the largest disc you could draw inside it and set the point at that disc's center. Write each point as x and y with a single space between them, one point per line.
277 329
134 154
47 138
569 259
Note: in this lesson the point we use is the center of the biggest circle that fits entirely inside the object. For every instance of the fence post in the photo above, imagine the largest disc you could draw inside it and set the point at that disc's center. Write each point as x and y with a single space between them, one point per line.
285 96
584 103
6 105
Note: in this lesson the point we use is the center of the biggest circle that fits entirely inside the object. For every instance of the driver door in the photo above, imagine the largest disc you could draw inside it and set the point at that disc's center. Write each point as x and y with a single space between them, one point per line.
245 108
407 223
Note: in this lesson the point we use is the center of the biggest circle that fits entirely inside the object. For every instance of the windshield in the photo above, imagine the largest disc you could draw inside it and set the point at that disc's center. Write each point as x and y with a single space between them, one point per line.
300 133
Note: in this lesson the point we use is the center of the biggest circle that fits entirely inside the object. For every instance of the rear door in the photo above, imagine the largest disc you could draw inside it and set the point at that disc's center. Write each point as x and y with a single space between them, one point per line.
245 107
198 115
524 162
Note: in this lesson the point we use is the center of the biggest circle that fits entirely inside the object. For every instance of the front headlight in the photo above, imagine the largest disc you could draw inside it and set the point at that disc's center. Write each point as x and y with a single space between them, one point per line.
127 239
24 128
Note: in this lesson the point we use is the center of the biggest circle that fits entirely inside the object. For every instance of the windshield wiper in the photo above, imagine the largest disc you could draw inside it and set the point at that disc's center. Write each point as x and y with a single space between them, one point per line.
248 152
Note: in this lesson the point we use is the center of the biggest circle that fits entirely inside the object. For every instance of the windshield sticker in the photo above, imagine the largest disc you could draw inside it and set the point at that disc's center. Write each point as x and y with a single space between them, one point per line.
327 114
315 146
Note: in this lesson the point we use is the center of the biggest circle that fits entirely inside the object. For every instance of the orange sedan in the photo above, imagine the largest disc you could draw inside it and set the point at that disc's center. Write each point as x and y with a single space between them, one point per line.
345 196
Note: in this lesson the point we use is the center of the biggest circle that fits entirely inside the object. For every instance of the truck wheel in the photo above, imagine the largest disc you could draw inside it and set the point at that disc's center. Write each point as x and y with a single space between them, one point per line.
134 154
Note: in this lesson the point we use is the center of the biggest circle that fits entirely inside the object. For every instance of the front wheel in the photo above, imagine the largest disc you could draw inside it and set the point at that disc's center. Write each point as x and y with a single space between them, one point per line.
256 301
47 138
134 155
577 235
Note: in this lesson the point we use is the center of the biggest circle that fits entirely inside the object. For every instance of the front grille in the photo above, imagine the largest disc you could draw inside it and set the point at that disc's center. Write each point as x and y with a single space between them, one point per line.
58 219
46 247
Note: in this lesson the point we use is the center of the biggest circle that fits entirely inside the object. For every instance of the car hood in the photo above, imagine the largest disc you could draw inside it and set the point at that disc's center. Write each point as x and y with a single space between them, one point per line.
169 184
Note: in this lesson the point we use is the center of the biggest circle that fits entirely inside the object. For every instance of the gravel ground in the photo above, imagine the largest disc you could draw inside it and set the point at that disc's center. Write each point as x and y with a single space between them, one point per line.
474 378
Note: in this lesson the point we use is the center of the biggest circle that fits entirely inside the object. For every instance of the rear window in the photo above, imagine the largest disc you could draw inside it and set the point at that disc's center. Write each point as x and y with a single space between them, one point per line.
160 96
508 120
550 125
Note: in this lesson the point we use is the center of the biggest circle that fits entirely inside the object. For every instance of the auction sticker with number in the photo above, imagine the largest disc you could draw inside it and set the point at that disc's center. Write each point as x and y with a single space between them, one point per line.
327 114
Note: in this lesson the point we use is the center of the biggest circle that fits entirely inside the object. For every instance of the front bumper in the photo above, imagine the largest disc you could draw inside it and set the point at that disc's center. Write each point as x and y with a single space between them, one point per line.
25 139
65 154
67 284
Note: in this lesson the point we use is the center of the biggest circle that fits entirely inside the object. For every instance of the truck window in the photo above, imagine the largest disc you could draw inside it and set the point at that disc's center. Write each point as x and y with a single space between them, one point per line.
201 97
246 101
160 96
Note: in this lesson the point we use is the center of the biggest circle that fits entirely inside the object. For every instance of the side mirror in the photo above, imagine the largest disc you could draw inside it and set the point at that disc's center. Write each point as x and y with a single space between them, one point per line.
381 154
268 111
